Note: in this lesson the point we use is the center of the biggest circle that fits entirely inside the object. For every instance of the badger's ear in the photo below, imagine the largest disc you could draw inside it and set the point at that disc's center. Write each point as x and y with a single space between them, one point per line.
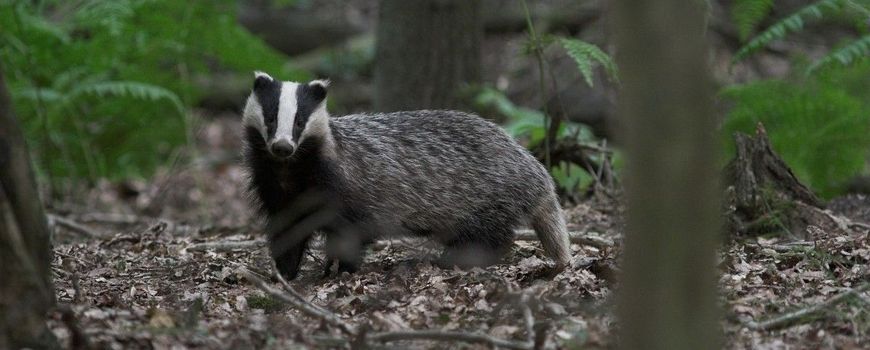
318 88
261 80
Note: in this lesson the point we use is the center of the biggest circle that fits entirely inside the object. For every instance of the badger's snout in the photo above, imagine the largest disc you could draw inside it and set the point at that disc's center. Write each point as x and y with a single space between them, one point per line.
281 148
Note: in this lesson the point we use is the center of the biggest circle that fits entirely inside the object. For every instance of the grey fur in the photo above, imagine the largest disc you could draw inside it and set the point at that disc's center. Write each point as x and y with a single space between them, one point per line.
423 169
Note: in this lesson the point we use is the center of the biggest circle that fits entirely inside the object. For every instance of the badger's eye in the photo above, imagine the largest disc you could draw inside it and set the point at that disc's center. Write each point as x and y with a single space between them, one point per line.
300 123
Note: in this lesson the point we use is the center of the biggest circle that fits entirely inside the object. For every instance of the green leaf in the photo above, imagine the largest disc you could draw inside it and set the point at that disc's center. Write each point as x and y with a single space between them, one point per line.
137 90
846 55
586 56
747 14
793 23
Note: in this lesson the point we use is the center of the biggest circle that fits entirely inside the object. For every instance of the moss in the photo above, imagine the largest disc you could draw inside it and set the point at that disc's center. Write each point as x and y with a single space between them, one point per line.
265 303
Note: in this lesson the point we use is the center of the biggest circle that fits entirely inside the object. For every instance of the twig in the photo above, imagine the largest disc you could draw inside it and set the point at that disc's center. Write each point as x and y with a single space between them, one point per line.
222 246
576 237
529 319
115 218
791 317
300 304
293 291
449 336
73 226
787 247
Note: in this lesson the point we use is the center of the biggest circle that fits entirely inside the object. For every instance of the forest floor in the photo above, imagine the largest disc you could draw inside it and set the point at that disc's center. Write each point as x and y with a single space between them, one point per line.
159 264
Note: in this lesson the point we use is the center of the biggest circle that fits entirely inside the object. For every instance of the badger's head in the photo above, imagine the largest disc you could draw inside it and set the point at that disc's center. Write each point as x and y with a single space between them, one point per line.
286 113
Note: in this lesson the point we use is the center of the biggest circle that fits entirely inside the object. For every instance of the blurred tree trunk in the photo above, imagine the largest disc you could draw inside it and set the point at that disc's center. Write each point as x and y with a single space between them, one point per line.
424 53
26 292
668 292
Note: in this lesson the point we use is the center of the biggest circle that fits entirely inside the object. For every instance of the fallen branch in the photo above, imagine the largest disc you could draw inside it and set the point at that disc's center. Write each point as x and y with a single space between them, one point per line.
300 304
791 317
222 246
115 218
54 220
575 237
449 336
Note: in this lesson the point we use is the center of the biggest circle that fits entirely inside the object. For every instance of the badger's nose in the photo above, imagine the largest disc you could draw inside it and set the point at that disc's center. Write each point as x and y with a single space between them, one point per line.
282 148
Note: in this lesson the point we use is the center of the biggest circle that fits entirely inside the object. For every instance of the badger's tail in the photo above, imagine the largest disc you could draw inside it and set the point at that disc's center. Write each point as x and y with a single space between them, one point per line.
549 225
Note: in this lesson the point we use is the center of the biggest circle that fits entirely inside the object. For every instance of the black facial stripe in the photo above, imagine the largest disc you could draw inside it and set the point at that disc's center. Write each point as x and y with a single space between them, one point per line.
268 94
308 97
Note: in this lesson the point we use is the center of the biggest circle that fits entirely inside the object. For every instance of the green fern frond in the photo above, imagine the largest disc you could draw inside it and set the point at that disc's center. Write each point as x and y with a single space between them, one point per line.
37 24
747 14
37 94
109 14
793 23
845 55
133 89
586 55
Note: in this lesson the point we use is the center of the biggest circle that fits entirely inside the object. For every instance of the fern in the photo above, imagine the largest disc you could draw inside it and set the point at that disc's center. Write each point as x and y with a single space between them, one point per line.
845 55
586 56
136 90
39 25
747 14
134 62
793 23
111 15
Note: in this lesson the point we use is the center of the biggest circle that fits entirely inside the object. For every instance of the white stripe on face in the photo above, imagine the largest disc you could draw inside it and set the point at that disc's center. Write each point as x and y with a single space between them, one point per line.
253 115
286 113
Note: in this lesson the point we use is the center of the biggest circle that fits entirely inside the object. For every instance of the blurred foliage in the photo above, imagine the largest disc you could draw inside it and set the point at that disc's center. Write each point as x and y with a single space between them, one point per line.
586 56
819 124
529 127
104 87
747 14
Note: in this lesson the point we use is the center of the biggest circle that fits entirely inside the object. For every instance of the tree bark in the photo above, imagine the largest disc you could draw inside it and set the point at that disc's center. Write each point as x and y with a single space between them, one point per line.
425 53
26 292
667 297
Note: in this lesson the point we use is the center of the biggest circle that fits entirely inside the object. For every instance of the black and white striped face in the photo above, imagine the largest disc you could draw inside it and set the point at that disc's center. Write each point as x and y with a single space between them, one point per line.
285 113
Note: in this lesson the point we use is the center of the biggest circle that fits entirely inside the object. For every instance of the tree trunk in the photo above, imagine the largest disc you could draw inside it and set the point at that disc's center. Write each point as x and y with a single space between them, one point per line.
425 52
668 298
26 292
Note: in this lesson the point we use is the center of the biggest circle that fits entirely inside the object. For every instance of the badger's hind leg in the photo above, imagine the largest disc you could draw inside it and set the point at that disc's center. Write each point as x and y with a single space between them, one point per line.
477 246
549 225
346 242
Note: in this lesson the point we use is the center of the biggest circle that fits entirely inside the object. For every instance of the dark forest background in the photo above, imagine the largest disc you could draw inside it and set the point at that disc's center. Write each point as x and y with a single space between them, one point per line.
711 158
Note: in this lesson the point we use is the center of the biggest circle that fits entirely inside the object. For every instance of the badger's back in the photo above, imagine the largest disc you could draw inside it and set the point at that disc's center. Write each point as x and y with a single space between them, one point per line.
422 171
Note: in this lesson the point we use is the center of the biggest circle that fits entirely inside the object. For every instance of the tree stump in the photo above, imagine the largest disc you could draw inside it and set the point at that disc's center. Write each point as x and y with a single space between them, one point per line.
764 196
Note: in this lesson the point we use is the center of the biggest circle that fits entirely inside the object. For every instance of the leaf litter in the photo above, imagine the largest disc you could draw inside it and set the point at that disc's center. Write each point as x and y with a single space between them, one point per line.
138 285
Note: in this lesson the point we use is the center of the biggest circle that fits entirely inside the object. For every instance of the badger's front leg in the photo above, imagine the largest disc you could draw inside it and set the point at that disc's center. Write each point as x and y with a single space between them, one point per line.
288 254
288 235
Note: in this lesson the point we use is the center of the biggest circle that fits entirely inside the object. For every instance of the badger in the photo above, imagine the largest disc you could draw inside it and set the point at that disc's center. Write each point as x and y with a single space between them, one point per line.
451 176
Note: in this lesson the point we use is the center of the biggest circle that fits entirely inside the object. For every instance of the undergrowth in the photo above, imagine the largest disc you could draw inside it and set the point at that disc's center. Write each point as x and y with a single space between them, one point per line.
104 87
819 124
